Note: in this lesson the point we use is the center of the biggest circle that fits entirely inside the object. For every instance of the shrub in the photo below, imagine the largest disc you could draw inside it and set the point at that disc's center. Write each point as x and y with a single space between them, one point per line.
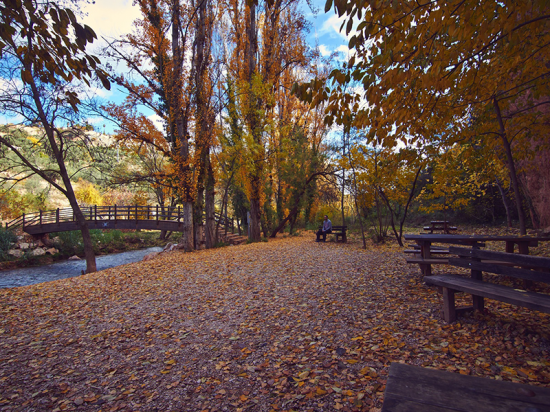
7 237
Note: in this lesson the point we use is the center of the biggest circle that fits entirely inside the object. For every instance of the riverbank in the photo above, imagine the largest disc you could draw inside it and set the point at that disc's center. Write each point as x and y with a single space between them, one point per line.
69 268
61 246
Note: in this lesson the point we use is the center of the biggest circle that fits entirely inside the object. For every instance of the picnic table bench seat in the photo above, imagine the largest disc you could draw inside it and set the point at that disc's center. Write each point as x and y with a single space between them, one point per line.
526 267
338 231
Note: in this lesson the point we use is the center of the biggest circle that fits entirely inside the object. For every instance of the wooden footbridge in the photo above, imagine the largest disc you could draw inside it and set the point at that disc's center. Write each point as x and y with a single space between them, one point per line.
108 217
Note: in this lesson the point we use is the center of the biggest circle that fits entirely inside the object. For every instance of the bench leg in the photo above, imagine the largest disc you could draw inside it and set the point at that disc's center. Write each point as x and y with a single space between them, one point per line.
478 303
449 309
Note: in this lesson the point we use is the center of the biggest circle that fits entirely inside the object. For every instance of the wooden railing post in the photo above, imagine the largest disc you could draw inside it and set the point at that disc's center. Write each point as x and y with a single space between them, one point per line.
179 213
57 216
148 210
136 213
95 212
115 213
157 214
23 220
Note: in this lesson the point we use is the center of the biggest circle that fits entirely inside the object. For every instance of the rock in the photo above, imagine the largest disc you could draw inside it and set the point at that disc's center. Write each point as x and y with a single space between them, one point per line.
15 252
39 243
38 252
546 232
47 241
150 256
24 246
74 258
168 247
57 241
52 251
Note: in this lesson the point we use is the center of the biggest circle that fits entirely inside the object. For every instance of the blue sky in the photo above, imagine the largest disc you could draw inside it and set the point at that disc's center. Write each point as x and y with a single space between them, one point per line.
113 18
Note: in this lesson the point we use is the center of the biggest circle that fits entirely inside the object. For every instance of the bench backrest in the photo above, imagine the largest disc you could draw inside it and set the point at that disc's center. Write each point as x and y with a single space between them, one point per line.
336 227
535 268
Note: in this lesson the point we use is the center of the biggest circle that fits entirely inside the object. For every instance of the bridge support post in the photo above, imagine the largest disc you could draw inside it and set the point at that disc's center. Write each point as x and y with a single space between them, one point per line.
179 213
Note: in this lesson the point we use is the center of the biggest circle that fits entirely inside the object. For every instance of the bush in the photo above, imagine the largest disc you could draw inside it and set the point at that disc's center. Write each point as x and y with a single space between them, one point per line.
70 243
7 237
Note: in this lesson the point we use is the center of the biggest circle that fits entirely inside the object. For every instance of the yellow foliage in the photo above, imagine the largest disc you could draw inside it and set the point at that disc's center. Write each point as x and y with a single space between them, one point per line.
87 194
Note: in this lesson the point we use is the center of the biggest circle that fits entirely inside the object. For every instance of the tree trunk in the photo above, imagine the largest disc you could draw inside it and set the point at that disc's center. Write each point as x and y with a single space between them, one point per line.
186 240
511 169
209 226
505 203
255 220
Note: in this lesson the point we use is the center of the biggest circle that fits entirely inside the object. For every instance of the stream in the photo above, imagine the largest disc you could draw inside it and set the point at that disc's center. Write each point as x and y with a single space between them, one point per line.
68 269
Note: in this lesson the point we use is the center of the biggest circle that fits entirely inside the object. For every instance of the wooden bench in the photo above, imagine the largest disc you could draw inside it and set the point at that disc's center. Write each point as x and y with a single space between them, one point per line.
416 389
338 231
528 268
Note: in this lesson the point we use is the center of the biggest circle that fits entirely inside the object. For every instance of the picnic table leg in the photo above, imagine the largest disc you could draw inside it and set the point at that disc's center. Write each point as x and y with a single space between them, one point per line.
477 301
523 248
425 268
449 309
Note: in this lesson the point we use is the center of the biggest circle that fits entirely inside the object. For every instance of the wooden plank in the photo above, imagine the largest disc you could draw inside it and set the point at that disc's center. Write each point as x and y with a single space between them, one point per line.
501 269
435 261
516 258
432 251
531 300
412 388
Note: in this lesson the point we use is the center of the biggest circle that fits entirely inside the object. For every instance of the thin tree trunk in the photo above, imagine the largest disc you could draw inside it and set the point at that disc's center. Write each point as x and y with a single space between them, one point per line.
68 192
511 169
355 201
505 203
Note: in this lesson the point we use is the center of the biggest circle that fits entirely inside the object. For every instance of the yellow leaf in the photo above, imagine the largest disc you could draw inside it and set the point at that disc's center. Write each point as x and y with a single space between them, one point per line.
320 391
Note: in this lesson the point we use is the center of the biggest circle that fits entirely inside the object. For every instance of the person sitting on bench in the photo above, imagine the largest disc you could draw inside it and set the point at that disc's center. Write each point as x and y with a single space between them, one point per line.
327 228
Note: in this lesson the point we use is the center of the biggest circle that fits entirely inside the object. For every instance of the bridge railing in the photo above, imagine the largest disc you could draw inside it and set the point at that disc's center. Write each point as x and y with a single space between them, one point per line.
107 213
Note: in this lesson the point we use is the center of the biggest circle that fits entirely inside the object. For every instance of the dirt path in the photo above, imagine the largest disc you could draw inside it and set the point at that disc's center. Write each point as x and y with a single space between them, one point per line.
285 325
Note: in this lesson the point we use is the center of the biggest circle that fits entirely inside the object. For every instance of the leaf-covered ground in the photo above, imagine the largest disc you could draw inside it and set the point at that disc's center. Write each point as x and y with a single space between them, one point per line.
285 325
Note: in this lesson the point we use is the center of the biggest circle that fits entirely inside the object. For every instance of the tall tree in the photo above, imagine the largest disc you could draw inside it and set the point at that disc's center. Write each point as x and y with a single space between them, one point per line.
168 36
260 55
42 58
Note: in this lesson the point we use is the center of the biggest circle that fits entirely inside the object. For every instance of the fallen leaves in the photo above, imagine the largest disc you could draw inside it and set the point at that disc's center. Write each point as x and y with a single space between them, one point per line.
284 325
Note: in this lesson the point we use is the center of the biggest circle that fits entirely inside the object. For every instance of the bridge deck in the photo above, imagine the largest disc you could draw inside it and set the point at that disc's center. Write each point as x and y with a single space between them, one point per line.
107 217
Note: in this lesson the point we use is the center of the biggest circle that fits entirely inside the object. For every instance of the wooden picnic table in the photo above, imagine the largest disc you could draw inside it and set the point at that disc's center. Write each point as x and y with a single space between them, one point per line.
440 225
412 388
425 241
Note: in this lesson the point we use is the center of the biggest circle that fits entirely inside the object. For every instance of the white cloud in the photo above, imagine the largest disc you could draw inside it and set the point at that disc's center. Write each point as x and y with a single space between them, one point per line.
324 50
157 121
332 26
111 18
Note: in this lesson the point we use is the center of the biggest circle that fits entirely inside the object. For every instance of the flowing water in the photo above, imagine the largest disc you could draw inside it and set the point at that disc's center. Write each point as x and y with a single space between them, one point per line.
68 268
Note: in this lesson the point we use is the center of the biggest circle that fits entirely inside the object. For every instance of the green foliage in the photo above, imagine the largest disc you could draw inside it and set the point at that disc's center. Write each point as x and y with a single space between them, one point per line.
7 237
70 243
